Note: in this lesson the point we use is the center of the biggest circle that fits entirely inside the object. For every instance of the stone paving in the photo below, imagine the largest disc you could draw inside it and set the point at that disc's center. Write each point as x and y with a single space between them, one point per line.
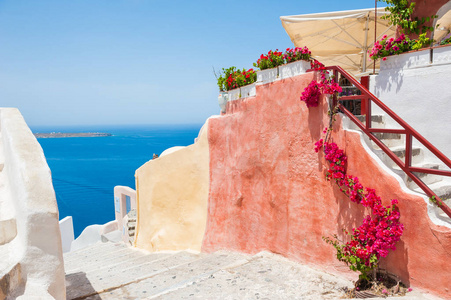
115 271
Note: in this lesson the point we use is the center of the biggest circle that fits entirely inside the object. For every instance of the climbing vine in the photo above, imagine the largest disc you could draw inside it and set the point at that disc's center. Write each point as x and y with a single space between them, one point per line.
401 12
379 231
313 91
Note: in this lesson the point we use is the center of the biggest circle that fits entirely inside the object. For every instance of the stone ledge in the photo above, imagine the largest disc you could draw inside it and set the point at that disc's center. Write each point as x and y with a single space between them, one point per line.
8 231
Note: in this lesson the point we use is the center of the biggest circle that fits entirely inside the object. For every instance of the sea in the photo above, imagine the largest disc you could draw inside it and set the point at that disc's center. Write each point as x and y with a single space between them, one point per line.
85 170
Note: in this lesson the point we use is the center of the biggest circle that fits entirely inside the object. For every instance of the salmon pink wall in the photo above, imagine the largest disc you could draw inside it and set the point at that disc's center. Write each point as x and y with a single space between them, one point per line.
427 8
268 189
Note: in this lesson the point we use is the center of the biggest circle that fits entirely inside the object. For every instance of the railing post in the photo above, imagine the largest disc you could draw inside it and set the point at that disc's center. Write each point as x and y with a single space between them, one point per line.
408 160
368 112
365 81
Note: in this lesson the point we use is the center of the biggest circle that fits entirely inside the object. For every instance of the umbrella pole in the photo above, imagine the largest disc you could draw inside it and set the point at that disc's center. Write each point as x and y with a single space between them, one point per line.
365 48
375 33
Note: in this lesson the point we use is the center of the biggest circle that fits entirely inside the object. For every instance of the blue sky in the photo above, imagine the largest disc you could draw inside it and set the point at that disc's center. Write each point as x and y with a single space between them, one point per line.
111 62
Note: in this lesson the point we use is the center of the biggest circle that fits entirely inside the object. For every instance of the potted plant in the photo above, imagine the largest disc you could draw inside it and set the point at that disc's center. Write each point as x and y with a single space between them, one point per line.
223 95
231 80
275 64
403 15
389 49
297 61
268 66
245 80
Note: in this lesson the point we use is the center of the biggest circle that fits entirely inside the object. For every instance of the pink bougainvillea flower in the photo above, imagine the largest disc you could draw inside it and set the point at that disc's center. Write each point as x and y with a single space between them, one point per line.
311 94
379 232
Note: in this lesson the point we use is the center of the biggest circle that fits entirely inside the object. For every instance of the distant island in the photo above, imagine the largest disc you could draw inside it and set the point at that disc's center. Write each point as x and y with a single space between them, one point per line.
65 135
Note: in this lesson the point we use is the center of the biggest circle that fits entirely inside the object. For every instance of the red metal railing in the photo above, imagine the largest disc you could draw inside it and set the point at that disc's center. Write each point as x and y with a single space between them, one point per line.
367 98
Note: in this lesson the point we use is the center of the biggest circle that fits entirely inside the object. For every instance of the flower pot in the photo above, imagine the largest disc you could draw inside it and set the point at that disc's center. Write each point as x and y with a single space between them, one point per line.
234 94
442 55
267 76
408 60
248 91
293 69
222 100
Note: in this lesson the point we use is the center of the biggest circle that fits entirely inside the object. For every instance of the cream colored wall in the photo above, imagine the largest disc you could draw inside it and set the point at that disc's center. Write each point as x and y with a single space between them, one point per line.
172 195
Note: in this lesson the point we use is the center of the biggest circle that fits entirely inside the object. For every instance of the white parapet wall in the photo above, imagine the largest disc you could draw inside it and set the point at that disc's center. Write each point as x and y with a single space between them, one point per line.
37 246
415 86
263 77
116 230
92 234
124 201
67 233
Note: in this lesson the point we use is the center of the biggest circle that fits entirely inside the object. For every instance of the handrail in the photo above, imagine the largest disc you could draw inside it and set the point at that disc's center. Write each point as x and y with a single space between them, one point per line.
367 97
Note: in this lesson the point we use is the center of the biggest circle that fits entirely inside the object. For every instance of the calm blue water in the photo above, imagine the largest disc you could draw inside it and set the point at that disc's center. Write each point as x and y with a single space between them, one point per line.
85 170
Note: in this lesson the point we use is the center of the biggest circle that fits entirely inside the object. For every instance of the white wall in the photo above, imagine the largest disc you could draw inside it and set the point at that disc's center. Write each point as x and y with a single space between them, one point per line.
67 233
93 234
37 246
120 207
418 90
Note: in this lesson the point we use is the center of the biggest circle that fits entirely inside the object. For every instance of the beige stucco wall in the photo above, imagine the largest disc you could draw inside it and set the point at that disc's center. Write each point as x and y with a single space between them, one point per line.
172 196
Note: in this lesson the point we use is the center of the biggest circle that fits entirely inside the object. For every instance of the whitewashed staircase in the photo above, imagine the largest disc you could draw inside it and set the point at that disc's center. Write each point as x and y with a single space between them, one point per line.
116 271
396 142
131 224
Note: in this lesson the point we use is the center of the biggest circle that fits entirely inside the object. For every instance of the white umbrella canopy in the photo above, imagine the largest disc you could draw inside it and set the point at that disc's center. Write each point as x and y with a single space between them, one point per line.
339 38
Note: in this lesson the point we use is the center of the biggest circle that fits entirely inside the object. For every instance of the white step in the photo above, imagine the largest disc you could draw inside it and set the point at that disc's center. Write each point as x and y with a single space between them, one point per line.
377 121
81 284
113 237
218 275
443 190
417 154
266 277
178 277
426 178
105 260
389 139
92 251
87 260
235 276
